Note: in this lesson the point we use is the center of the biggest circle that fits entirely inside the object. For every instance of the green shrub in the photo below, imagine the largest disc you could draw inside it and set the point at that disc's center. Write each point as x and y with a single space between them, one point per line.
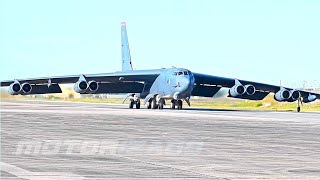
259 104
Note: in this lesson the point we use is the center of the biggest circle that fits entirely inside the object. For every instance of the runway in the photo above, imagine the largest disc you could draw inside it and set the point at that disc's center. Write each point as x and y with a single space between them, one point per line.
65 140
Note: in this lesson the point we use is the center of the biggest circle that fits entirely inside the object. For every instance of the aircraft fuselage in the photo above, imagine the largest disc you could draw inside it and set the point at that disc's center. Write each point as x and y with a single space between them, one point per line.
174 83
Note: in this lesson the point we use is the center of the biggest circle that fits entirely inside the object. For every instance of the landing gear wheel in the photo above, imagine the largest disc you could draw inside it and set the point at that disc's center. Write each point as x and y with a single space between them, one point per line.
161 103
299 104
179 102
173 104
138 104
148 104
154 104
131 104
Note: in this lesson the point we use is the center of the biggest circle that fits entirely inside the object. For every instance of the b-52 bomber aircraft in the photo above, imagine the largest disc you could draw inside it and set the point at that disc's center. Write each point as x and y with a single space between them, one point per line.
157 85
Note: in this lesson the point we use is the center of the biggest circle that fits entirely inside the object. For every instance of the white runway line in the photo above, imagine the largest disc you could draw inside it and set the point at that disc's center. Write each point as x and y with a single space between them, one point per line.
25 174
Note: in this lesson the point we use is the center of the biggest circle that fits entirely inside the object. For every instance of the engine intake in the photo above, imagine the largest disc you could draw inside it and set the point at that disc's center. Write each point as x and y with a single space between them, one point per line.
93 86
86 87
80 86
26 88
14 89
250 89
237 90
295 95
282 95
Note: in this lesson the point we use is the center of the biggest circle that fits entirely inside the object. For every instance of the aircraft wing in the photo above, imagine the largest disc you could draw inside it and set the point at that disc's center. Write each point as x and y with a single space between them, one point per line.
117 82
127 76
262 89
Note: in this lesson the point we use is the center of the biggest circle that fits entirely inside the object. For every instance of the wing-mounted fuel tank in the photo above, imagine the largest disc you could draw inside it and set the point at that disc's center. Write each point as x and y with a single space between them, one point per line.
309 98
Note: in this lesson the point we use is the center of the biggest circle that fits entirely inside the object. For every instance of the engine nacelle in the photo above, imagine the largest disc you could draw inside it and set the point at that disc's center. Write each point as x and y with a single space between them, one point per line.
81 86
310 98
86 87
250 89
26 88
282 95
93 86
14 88
295 95
237 90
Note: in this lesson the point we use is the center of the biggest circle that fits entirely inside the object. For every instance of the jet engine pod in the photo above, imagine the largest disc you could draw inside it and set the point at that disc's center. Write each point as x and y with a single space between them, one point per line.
26 88
295 95
81 86
310 98
250 89
93 86
237 90
14 88
282 95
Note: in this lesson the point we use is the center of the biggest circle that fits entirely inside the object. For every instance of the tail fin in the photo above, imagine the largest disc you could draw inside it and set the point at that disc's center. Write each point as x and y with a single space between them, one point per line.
125 50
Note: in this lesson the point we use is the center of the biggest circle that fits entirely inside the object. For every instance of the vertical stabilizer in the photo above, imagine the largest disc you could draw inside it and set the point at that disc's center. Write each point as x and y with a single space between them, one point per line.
125 50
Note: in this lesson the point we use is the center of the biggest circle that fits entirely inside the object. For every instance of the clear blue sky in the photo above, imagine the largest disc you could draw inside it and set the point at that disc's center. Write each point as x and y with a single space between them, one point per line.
254 40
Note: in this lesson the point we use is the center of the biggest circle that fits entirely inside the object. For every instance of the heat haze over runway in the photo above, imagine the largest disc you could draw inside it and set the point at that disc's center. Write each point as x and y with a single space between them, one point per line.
99 141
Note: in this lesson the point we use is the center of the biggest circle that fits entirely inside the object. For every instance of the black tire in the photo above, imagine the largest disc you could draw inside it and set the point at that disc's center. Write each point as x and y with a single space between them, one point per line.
154 104
138 105
173 104
148 104
131 104
179 104
161 103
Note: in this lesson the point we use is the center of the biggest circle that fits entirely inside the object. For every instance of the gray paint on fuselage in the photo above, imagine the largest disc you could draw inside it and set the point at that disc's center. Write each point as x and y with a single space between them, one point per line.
168 83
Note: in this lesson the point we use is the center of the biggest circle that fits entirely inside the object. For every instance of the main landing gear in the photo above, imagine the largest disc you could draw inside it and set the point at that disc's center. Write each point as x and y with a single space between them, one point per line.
158 103
155 103
176 103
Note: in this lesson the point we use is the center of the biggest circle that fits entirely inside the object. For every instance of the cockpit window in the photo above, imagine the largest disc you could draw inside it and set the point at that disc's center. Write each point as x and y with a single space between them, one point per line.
181 73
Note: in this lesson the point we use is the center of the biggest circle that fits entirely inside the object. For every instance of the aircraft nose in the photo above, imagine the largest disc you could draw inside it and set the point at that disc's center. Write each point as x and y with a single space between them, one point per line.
186 84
